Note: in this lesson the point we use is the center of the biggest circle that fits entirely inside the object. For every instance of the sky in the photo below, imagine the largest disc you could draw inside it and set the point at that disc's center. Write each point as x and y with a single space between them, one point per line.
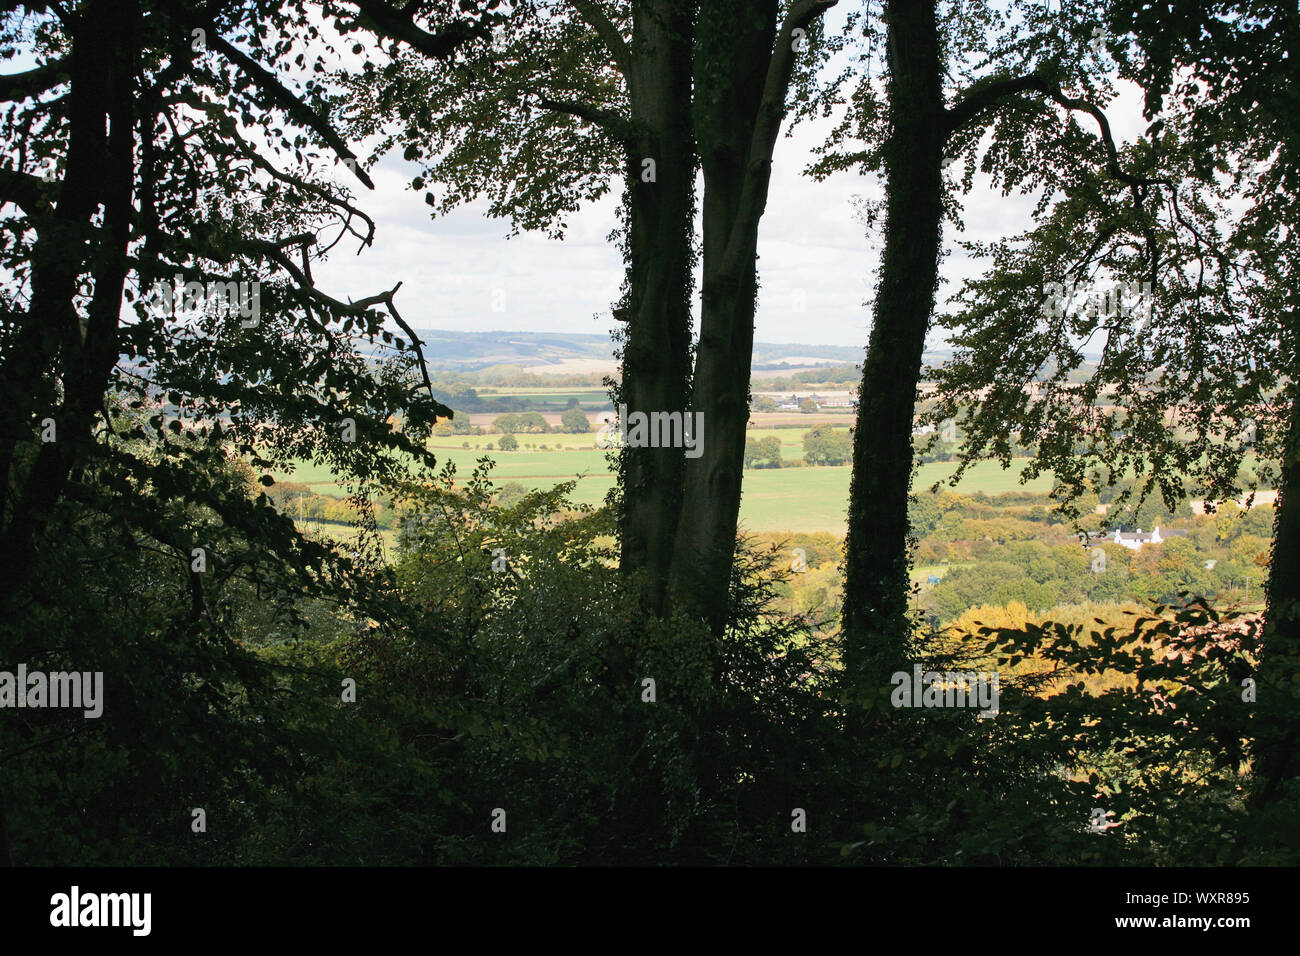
816 263
464 272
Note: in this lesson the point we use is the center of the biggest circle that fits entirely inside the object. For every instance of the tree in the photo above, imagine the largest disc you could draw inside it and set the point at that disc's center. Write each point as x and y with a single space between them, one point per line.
507 424
575 421
571 94
923 515
744 61
531 423
1203 379
1229 66
763 453
511 494
508 442
157 159
919 136
826 445
808 406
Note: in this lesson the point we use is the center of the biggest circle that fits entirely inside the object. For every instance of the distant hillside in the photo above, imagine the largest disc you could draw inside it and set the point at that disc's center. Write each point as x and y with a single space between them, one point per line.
573 352
471 351
769 356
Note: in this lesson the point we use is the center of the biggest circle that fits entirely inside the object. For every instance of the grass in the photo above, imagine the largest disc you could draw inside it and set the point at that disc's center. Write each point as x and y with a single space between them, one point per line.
784 499
550 394
565 440
558 394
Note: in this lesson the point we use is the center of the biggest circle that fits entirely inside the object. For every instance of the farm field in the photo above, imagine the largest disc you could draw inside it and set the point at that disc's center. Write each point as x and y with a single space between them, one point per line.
785 499
588 396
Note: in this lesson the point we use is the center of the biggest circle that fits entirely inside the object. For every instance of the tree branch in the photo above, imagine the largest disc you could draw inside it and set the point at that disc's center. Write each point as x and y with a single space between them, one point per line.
275 251
399 26
608 120
296 108
19 86
259 161
415 344
608 33
24 190
984 96
767 124
771 107
80 728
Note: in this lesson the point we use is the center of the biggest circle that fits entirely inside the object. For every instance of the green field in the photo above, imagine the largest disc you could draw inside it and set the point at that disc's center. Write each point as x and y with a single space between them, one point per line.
784 499
553 440
552 395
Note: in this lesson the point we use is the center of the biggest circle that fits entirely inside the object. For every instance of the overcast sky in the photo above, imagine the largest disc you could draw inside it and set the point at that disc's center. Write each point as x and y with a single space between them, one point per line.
810 245
811 251
451 266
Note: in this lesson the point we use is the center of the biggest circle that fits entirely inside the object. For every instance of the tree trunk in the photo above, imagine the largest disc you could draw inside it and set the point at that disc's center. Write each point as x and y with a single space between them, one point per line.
1279 706
743 65
100 171
876 626
656 354
732 55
